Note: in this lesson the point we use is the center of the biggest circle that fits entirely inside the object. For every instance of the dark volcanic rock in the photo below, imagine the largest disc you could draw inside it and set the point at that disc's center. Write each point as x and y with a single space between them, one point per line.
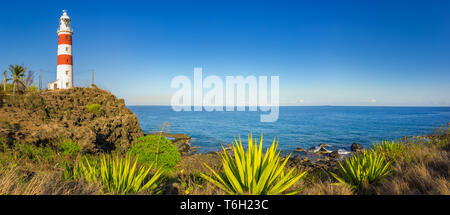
181 142
322 151
299 150
334 154
356 147
50 116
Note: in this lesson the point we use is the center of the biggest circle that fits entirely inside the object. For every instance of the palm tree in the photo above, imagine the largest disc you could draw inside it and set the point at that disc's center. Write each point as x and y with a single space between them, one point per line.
17 76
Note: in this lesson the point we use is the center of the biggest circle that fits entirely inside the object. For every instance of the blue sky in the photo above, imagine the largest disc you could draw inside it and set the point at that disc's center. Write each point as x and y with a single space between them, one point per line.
325 52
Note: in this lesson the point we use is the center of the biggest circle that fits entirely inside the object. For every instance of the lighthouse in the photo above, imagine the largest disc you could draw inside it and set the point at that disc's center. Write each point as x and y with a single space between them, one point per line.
64 68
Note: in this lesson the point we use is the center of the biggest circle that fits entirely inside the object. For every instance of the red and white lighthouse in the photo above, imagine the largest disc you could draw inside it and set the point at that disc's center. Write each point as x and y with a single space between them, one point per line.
64 71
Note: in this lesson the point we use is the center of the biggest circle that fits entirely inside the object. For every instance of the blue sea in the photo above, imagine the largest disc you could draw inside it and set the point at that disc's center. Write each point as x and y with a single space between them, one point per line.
297 127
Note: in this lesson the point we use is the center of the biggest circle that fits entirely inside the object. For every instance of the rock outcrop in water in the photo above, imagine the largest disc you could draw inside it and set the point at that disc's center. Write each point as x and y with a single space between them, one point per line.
94 118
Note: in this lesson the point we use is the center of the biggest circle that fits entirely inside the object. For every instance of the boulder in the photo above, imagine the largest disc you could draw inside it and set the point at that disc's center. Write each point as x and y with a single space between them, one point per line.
334 154
299 150
311 150
181 141
356 147
322 151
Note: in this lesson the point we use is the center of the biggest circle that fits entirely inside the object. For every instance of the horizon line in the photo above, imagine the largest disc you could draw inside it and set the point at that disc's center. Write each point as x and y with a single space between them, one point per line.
308 105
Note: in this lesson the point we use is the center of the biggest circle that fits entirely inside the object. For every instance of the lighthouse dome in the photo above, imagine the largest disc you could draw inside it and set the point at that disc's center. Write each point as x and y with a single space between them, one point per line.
64 16
64 24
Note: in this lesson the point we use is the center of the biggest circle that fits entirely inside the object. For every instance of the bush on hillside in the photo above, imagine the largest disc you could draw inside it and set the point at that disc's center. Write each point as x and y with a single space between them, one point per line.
69 148
157 149
94 108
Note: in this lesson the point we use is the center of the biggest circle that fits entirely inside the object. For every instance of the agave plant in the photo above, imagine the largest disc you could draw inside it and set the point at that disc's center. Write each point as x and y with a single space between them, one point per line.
367 167
251 172
119 175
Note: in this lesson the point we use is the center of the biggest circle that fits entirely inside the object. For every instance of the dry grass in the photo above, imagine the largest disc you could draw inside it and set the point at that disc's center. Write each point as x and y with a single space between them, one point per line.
207 189
326 188
320 182
186 180
423 171
42 183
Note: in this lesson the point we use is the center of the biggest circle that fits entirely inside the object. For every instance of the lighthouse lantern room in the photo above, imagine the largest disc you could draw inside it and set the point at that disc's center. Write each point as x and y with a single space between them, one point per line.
64 70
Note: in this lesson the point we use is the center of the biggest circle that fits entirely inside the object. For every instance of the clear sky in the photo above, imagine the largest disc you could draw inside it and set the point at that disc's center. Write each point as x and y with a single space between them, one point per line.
325 52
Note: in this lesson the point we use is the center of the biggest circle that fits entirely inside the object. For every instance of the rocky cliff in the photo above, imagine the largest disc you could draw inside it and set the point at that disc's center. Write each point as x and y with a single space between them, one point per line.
94 118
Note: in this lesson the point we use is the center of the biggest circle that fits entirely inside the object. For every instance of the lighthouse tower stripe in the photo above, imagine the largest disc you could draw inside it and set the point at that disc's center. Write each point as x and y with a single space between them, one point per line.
64 59
64 38
64 49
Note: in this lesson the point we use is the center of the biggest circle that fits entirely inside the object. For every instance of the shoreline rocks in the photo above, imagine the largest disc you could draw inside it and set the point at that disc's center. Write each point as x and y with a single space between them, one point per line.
356 147
299 150
181 142
335 154
317 158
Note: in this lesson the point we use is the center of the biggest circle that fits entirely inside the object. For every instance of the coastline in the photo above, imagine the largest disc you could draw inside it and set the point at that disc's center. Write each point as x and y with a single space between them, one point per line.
302 127
47 135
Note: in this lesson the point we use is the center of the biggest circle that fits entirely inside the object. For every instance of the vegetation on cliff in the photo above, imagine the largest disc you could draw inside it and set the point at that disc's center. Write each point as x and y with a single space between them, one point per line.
93 118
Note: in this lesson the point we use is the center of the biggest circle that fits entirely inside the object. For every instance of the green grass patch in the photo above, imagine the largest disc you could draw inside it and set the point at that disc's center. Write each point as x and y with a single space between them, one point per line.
31 152
95 108
69 148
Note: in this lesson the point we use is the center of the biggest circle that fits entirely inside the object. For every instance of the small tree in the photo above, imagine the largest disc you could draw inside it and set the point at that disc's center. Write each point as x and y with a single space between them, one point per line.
17 76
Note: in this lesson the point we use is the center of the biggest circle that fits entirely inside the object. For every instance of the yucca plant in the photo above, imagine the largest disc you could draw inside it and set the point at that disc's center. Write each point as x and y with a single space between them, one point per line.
391 149
252 172
119 175
368 167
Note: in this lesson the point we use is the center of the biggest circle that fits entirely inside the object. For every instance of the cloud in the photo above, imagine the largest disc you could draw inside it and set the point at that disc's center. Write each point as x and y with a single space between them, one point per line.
373 100
301 100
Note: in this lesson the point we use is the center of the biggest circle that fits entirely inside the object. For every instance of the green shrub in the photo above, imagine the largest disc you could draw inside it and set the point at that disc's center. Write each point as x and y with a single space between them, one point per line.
369 167
155 149
69 148
441 137
32 88
119 175
40 154
9 88
3 144
251 172
95 108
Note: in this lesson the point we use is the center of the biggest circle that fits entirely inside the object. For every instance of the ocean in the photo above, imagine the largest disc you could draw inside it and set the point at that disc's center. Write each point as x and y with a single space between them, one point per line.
297 127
